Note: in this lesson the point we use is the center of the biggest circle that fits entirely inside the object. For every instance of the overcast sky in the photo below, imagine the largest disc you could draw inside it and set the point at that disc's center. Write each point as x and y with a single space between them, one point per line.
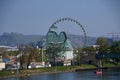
98 17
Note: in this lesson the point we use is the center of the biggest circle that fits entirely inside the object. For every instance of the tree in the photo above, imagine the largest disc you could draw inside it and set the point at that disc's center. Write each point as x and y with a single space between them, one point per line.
103 44
32 54
115 48
90 50
28 53
103 48
52 52
78 55
21 55
4 52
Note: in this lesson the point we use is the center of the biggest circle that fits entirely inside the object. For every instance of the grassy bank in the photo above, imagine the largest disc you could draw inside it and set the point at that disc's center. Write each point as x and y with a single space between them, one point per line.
56 69
4 73
44 70
111 65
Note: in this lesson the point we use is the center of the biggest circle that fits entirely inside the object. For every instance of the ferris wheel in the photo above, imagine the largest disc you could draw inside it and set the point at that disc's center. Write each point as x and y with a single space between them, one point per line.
74 21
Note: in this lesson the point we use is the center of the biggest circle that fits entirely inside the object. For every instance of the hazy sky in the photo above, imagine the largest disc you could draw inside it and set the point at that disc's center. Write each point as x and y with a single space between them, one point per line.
98 17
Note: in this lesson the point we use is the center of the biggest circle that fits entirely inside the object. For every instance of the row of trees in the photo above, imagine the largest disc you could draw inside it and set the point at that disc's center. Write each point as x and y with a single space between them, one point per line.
29 53
106 47
25 55
103 46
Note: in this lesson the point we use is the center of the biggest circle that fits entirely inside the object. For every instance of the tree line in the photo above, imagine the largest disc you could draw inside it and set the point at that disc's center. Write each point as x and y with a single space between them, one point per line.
29 53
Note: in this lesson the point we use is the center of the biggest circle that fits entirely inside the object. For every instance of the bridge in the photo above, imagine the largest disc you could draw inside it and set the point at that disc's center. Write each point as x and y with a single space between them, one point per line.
107 55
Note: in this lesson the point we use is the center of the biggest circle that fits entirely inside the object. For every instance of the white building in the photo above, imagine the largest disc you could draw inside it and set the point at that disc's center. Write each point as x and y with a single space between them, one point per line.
9 48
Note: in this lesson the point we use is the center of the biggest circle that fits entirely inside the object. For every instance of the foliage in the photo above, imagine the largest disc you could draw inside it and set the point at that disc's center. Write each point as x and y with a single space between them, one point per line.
13 53
52 52
28 54
89 50
78 55
103 44
4 53
115 48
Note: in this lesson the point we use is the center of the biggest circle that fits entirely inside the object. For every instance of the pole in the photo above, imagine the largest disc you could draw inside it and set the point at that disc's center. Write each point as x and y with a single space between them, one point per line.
42 57
17 64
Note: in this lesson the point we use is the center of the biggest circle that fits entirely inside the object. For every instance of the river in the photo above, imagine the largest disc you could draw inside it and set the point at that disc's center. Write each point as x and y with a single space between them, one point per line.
108 74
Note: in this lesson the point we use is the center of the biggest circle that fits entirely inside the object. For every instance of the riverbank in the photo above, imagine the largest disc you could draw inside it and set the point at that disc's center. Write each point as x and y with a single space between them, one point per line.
52 70
28 72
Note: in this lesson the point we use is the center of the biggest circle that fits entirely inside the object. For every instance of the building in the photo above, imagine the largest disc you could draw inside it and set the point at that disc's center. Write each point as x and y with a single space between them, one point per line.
9 48
62 44
2 65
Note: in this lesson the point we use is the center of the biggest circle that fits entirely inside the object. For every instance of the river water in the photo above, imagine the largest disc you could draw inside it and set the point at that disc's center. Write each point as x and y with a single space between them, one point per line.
108 74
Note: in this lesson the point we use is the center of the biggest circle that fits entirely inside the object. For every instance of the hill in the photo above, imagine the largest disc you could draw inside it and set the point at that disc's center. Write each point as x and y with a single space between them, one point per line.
77 40
12 39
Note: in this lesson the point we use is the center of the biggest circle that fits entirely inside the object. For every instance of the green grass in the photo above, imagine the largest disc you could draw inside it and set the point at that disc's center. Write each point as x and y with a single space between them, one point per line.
65 68
110 65
87 66
57 68
4 73
46 69
52 69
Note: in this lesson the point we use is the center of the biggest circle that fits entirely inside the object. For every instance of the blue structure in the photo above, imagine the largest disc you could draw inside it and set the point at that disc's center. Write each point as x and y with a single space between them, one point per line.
6 60
107 55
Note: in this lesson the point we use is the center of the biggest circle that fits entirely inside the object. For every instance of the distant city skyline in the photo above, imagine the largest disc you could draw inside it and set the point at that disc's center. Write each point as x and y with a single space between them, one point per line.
98 17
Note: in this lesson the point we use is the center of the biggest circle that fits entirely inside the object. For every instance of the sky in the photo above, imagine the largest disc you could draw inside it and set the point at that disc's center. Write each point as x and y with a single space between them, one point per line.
98 17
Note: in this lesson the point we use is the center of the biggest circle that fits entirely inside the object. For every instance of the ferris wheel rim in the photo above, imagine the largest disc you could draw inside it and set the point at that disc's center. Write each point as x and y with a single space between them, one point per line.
76 22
